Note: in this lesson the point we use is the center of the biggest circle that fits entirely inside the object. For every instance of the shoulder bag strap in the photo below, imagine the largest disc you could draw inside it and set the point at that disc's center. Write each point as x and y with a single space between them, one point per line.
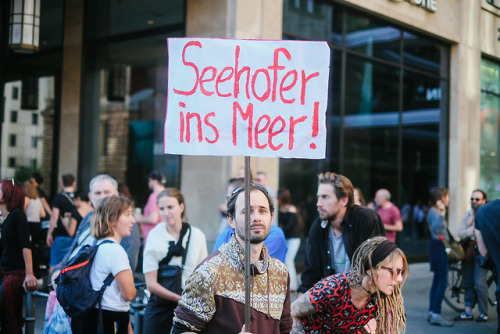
169 255
69 198
452 238
186 249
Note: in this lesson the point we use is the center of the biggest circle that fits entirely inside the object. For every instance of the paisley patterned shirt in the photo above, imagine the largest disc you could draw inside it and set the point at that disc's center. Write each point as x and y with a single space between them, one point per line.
335 311
214 297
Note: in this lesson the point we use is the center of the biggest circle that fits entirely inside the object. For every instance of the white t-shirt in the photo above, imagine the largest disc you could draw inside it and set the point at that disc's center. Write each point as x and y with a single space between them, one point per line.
33 210
157 248
110 258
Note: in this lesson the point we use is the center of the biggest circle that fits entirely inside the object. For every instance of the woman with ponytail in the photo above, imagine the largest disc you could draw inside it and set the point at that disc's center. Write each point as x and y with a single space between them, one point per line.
368 297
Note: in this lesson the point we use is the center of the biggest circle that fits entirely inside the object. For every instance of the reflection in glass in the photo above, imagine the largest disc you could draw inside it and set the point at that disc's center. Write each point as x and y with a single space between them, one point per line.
25 142
125 91
490 128
372 37
308 19
388 112
370 88
420 159
371 158
116 18
421 92
422 53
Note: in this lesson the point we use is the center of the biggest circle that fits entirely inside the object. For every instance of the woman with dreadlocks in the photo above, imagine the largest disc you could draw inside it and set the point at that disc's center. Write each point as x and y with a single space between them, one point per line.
369 296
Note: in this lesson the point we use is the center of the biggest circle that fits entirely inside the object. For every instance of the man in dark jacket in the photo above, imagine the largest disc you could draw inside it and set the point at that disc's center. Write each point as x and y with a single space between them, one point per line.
338 231
487 230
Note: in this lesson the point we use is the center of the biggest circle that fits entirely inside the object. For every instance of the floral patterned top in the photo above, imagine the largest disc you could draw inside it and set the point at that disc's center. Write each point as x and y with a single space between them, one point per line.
335 311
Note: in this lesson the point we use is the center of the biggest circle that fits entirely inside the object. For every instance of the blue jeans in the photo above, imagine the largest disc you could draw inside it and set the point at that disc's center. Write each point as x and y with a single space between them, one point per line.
439 265
474 281
59 248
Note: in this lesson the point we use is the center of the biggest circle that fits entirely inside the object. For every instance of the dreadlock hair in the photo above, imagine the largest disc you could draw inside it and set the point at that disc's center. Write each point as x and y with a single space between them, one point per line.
390 308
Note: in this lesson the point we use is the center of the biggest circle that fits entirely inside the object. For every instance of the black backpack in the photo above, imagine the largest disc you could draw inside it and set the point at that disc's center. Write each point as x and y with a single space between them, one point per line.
74 289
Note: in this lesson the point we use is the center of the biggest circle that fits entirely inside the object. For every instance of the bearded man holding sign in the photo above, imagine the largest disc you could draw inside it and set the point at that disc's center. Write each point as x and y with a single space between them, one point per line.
248 98
214 297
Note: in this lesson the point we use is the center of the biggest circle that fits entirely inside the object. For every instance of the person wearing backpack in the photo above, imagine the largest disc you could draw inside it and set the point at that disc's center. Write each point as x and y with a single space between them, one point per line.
170 243
112 220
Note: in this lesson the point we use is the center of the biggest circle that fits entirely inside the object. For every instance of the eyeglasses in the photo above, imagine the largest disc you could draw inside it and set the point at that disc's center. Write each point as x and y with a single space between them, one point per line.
474 199
394 271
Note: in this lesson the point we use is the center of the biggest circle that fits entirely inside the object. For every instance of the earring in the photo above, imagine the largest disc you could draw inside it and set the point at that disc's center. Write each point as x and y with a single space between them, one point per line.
370 283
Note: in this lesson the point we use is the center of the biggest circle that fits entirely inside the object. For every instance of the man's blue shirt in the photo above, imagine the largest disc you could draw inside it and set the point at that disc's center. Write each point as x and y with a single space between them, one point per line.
275 241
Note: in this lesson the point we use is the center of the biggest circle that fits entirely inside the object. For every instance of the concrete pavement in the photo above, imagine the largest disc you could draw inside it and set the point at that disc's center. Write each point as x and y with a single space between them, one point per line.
416 299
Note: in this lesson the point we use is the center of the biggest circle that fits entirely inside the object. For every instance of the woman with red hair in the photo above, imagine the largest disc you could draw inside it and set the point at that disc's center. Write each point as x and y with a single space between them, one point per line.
16 266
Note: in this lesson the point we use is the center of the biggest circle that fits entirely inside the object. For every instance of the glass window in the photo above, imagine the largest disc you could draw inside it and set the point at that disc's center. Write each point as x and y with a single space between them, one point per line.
371 88
12 140
425 123
421 92
387 118
40 71
490 128
307 19
423 53
333 113
371 158
125 85
372 37
420 158
51 22
291 170
12 162
120 18
15 93
25 141
13 116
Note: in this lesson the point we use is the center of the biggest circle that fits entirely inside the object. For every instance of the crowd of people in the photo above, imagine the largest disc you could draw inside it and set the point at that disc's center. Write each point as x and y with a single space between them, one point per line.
353 271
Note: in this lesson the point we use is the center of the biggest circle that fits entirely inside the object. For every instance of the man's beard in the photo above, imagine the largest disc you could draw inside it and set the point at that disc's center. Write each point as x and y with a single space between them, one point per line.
255 238
326 216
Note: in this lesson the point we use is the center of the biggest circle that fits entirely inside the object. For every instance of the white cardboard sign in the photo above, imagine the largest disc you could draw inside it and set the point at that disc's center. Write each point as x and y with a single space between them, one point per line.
247 97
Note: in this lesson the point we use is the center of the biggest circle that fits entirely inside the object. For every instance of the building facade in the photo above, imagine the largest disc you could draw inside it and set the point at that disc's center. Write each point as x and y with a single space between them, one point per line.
413 96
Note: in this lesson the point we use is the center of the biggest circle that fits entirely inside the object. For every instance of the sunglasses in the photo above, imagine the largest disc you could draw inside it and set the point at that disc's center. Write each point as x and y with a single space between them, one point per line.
473 199
394 271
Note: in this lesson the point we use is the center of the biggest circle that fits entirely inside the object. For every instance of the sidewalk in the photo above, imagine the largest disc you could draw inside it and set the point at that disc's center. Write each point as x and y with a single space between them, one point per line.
416 299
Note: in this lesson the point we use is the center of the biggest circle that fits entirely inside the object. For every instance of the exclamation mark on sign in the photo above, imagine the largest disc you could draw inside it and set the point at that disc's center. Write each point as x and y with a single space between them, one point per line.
315 125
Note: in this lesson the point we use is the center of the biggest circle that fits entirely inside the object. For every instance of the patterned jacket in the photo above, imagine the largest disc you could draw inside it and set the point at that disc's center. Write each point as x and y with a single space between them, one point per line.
213 300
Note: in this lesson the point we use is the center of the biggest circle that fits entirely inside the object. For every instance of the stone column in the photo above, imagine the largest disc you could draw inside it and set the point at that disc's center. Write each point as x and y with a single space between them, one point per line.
204 179
465 93
69 130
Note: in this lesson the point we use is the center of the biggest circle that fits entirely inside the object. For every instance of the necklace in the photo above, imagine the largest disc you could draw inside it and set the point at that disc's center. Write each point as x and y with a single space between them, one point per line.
366 290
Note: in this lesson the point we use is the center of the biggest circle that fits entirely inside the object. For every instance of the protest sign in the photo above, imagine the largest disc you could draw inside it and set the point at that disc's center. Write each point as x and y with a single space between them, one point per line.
247 97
